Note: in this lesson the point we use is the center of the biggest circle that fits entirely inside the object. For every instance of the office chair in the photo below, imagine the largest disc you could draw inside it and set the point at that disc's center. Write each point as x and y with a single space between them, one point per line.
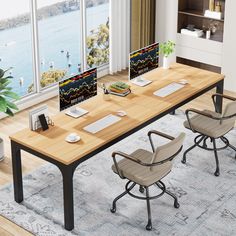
212 125
144 168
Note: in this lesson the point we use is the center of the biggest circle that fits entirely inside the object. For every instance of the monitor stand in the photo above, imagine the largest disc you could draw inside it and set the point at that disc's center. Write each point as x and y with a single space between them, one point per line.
140 81
76 112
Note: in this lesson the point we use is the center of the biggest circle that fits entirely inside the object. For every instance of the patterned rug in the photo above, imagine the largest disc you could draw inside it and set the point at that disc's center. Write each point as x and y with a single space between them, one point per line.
207 203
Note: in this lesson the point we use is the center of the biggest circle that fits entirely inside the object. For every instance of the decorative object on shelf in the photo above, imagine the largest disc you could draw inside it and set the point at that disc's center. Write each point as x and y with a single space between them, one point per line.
211 5
166 49
208 34
218 6
213 14
194 33
213 26
6 100
190 27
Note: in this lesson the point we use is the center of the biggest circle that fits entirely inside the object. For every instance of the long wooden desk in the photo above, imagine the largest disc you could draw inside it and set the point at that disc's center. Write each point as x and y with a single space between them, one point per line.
142 108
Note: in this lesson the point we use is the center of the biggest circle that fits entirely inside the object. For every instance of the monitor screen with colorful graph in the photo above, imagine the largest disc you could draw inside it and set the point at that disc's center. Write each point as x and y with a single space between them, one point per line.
77 89
144 60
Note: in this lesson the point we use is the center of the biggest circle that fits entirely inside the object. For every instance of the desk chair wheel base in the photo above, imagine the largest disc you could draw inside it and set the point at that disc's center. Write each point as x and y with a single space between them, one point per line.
217 173
113 210
197 143
149 226
176 204
130 185
141 189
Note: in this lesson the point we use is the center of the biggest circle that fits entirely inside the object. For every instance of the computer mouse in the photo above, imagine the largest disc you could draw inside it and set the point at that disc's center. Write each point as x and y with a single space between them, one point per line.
121 113
183 81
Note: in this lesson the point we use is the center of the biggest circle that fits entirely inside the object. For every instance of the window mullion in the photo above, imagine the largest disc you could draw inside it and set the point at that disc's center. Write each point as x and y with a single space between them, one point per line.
35 43
83 34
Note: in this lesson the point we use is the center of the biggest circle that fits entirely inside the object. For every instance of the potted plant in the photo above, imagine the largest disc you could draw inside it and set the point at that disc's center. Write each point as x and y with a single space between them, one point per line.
166 49
6 101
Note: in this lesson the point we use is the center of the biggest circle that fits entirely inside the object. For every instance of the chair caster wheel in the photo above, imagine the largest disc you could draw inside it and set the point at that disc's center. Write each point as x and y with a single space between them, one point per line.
217 173
176 204
149 227
141 189
113 210
183 161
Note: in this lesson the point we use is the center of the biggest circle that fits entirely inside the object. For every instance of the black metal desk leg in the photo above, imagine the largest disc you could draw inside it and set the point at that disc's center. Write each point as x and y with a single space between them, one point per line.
17 172
67 174
219 100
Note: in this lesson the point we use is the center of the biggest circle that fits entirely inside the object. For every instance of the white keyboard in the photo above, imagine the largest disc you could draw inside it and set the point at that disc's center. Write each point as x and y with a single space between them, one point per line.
169 89
102 124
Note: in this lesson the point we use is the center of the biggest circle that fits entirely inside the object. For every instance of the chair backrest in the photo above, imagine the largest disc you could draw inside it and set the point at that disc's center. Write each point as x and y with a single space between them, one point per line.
164 152
229 110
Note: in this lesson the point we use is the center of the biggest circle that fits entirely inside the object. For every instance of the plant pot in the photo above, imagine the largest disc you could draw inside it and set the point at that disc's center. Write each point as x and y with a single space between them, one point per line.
166 63
1 150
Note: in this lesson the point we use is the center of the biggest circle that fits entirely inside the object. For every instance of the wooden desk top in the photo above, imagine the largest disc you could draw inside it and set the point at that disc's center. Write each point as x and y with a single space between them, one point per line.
141 105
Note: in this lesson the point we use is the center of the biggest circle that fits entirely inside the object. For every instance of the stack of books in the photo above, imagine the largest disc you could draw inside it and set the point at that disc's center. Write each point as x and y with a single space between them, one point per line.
120 89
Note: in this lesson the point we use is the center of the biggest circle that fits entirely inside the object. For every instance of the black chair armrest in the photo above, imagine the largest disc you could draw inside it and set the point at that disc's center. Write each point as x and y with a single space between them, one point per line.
214 96
159 134
122 154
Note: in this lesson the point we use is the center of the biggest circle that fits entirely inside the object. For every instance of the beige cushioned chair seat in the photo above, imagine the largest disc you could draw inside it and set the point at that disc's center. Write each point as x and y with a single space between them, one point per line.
208 126
139 174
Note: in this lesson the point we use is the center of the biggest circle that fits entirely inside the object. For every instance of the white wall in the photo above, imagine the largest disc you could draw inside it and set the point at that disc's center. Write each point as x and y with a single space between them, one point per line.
229 46
166 21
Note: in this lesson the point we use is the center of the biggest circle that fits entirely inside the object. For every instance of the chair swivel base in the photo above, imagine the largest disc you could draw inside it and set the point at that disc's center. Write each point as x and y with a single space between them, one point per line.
203 139
130 185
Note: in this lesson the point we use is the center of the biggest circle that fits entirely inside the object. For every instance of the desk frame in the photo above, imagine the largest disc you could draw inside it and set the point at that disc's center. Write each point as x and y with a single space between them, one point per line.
67 171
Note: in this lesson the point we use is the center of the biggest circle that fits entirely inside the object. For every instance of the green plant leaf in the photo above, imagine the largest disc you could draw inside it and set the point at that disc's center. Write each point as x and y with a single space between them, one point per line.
12 105
3 80
7 82
9 77
9 112
1 73
3 104
10 95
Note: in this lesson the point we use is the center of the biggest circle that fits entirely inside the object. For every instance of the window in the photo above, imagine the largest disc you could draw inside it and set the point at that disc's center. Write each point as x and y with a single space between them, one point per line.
68 36
97 33
59 40
15 44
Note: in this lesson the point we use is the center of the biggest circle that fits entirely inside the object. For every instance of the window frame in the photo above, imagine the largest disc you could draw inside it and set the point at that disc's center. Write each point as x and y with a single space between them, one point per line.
102 69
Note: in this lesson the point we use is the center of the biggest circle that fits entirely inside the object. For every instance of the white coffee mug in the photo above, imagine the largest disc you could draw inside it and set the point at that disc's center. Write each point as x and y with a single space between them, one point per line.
72 137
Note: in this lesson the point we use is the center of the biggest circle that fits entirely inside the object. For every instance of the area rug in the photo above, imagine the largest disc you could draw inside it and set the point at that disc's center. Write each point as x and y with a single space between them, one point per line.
207 203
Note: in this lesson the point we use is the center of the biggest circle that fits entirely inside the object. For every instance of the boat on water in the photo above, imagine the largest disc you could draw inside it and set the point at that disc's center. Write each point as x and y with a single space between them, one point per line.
10 43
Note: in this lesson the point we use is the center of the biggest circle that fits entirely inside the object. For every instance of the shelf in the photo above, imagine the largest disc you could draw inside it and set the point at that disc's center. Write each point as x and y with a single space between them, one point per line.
197 13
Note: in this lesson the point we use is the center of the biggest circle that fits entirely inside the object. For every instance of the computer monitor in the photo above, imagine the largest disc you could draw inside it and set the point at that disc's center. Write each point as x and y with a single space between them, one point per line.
143 61
77 89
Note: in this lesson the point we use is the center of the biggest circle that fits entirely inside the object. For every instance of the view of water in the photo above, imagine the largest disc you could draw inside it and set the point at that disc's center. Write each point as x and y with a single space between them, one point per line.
57 36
